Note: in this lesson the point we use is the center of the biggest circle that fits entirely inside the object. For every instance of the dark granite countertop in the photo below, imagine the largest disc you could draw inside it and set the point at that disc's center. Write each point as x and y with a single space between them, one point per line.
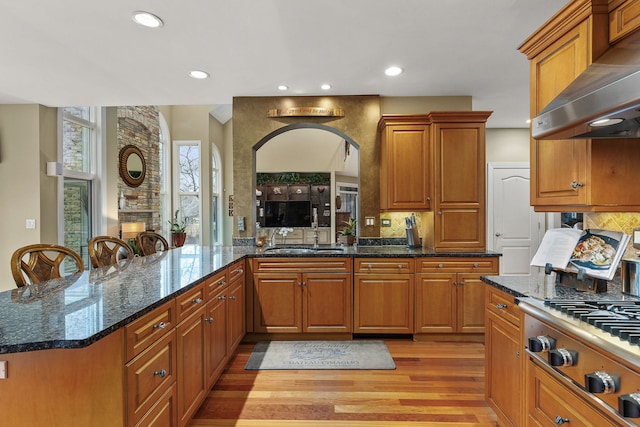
534 286
78 310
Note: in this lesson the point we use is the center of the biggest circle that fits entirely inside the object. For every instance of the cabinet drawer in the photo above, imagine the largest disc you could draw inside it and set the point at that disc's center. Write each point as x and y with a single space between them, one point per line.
163 413
548 398
215 284
149 375
190 301
503 305
236 271
143 332
384 265
488 265
302 265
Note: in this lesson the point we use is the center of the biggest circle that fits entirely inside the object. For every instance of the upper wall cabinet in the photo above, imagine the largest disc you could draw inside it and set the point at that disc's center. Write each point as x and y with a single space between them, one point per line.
576 174
435 162
406 165
624 18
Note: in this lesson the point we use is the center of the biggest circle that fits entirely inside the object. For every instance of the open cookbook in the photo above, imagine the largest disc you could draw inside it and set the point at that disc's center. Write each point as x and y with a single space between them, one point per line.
598 252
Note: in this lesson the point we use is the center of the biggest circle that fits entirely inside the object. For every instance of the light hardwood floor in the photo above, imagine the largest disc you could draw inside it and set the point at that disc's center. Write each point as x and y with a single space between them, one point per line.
434 384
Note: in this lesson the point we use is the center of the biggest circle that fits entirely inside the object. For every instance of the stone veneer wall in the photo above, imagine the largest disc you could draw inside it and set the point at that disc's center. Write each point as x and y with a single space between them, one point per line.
140 126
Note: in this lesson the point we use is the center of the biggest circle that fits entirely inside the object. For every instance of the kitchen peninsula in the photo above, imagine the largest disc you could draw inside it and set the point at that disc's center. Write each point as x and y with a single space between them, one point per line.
108 345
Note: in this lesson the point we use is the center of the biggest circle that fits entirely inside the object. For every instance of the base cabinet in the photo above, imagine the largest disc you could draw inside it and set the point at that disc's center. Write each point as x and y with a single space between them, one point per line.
450 294
295 296
383 289
504 358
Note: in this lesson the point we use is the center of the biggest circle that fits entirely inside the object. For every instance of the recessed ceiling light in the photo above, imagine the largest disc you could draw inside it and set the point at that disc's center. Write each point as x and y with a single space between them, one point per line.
393 71
198 74
527 121
283 87
325 86
147 19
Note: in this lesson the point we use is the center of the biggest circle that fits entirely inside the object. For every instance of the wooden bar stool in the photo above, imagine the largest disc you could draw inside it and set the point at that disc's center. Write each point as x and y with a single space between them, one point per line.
108 250
150 243
40 262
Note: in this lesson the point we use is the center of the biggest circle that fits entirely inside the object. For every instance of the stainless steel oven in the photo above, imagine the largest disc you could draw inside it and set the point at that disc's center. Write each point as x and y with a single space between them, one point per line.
583 363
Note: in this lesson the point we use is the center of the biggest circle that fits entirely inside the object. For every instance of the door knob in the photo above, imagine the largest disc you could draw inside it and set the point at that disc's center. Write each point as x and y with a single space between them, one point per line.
498 234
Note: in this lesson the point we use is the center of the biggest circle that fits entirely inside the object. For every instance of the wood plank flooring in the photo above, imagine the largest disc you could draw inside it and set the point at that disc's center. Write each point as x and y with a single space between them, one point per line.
434 384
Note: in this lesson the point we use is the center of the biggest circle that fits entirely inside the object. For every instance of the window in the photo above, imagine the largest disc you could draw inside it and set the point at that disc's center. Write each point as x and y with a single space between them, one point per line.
216 208
79 147
165 177
187 180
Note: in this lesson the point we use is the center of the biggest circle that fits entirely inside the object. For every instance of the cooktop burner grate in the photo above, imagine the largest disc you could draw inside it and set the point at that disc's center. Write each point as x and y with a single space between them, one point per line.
619 318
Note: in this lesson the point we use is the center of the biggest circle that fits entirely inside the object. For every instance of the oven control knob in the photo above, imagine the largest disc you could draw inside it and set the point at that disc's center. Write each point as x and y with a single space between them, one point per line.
601 382
563 357
629 405
541 343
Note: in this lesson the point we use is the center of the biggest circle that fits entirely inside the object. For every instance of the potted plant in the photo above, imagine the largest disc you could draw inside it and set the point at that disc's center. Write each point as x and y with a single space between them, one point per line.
178 227
348 233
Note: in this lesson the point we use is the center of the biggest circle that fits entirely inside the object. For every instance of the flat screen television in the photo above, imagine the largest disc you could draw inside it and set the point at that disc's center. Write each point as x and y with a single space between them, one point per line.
287 213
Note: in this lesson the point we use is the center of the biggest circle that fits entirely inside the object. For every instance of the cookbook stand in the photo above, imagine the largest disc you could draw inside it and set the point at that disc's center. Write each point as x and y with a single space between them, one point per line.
580 281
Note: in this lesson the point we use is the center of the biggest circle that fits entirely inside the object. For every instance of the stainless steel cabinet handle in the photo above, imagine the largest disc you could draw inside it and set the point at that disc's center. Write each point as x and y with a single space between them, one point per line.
461 283
161 373
475 265
455 283
501 306
400 266
439 212
428 199
221 282
440 265
222 297
561 420
209 320
196 301
232 297
160 325
576 184
239 270
498 234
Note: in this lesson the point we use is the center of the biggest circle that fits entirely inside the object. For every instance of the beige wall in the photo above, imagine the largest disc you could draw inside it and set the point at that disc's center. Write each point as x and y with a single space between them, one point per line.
27 141
507 145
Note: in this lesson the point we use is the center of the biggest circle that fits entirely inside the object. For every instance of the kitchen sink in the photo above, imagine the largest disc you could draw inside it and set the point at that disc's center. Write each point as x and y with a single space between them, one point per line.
304 250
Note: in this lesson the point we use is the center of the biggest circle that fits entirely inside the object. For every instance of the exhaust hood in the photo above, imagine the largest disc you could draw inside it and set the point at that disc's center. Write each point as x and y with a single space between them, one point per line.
603 102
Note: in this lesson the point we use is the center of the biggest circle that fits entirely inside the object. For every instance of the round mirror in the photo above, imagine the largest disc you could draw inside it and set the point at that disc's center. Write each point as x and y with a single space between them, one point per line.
132 165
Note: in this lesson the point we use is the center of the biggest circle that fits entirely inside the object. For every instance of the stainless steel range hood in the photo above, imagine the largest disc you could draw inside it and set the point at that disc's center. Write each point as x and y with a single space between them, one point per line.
608 89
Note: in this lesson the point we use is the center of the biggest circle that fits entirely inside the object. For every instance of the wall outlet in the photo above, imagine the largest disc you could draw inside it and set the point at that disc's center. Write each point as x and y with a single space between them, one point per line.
385 222
3 369
240 223
31 223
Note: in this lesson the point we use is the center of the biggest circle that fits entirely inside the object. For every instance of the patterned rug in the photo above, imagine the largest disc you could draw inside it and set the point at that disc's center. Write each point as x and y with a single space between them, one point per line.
358 354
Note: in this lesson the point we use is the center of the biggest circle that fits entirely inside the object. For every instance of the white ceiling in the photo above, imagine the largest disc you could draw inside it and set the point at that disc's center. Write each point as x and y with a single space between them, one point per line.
87 52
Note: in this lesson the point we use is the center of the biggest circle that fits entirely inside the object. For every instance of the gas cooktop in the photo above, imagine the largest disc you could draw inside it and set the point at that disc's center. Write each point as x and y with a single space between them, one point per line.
619 318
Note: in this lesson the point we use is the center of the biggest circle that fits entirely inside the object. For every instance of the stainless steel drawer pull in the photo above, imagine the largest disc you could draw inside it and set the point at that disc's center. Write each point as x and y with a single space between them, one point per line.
160 325
222 297
440 265
239 270
561 420
232 297
476 265
209 320
576 184
161 373
221 282
196 301
501 306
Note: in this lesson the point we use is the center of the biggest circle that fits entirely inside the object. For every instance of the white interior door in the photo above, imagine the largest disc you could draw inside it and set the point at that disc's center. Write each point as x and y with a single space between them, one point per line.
514 229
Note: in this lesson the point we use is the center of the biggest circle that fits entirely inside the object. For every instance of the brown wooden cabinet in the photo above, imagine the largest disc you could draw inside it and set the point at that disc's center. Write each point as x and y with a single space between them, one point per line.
624 18
547 398
192 345
406 165
504 357
236 326
581 175
450 295
383 295
302 295
435 162
459 204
